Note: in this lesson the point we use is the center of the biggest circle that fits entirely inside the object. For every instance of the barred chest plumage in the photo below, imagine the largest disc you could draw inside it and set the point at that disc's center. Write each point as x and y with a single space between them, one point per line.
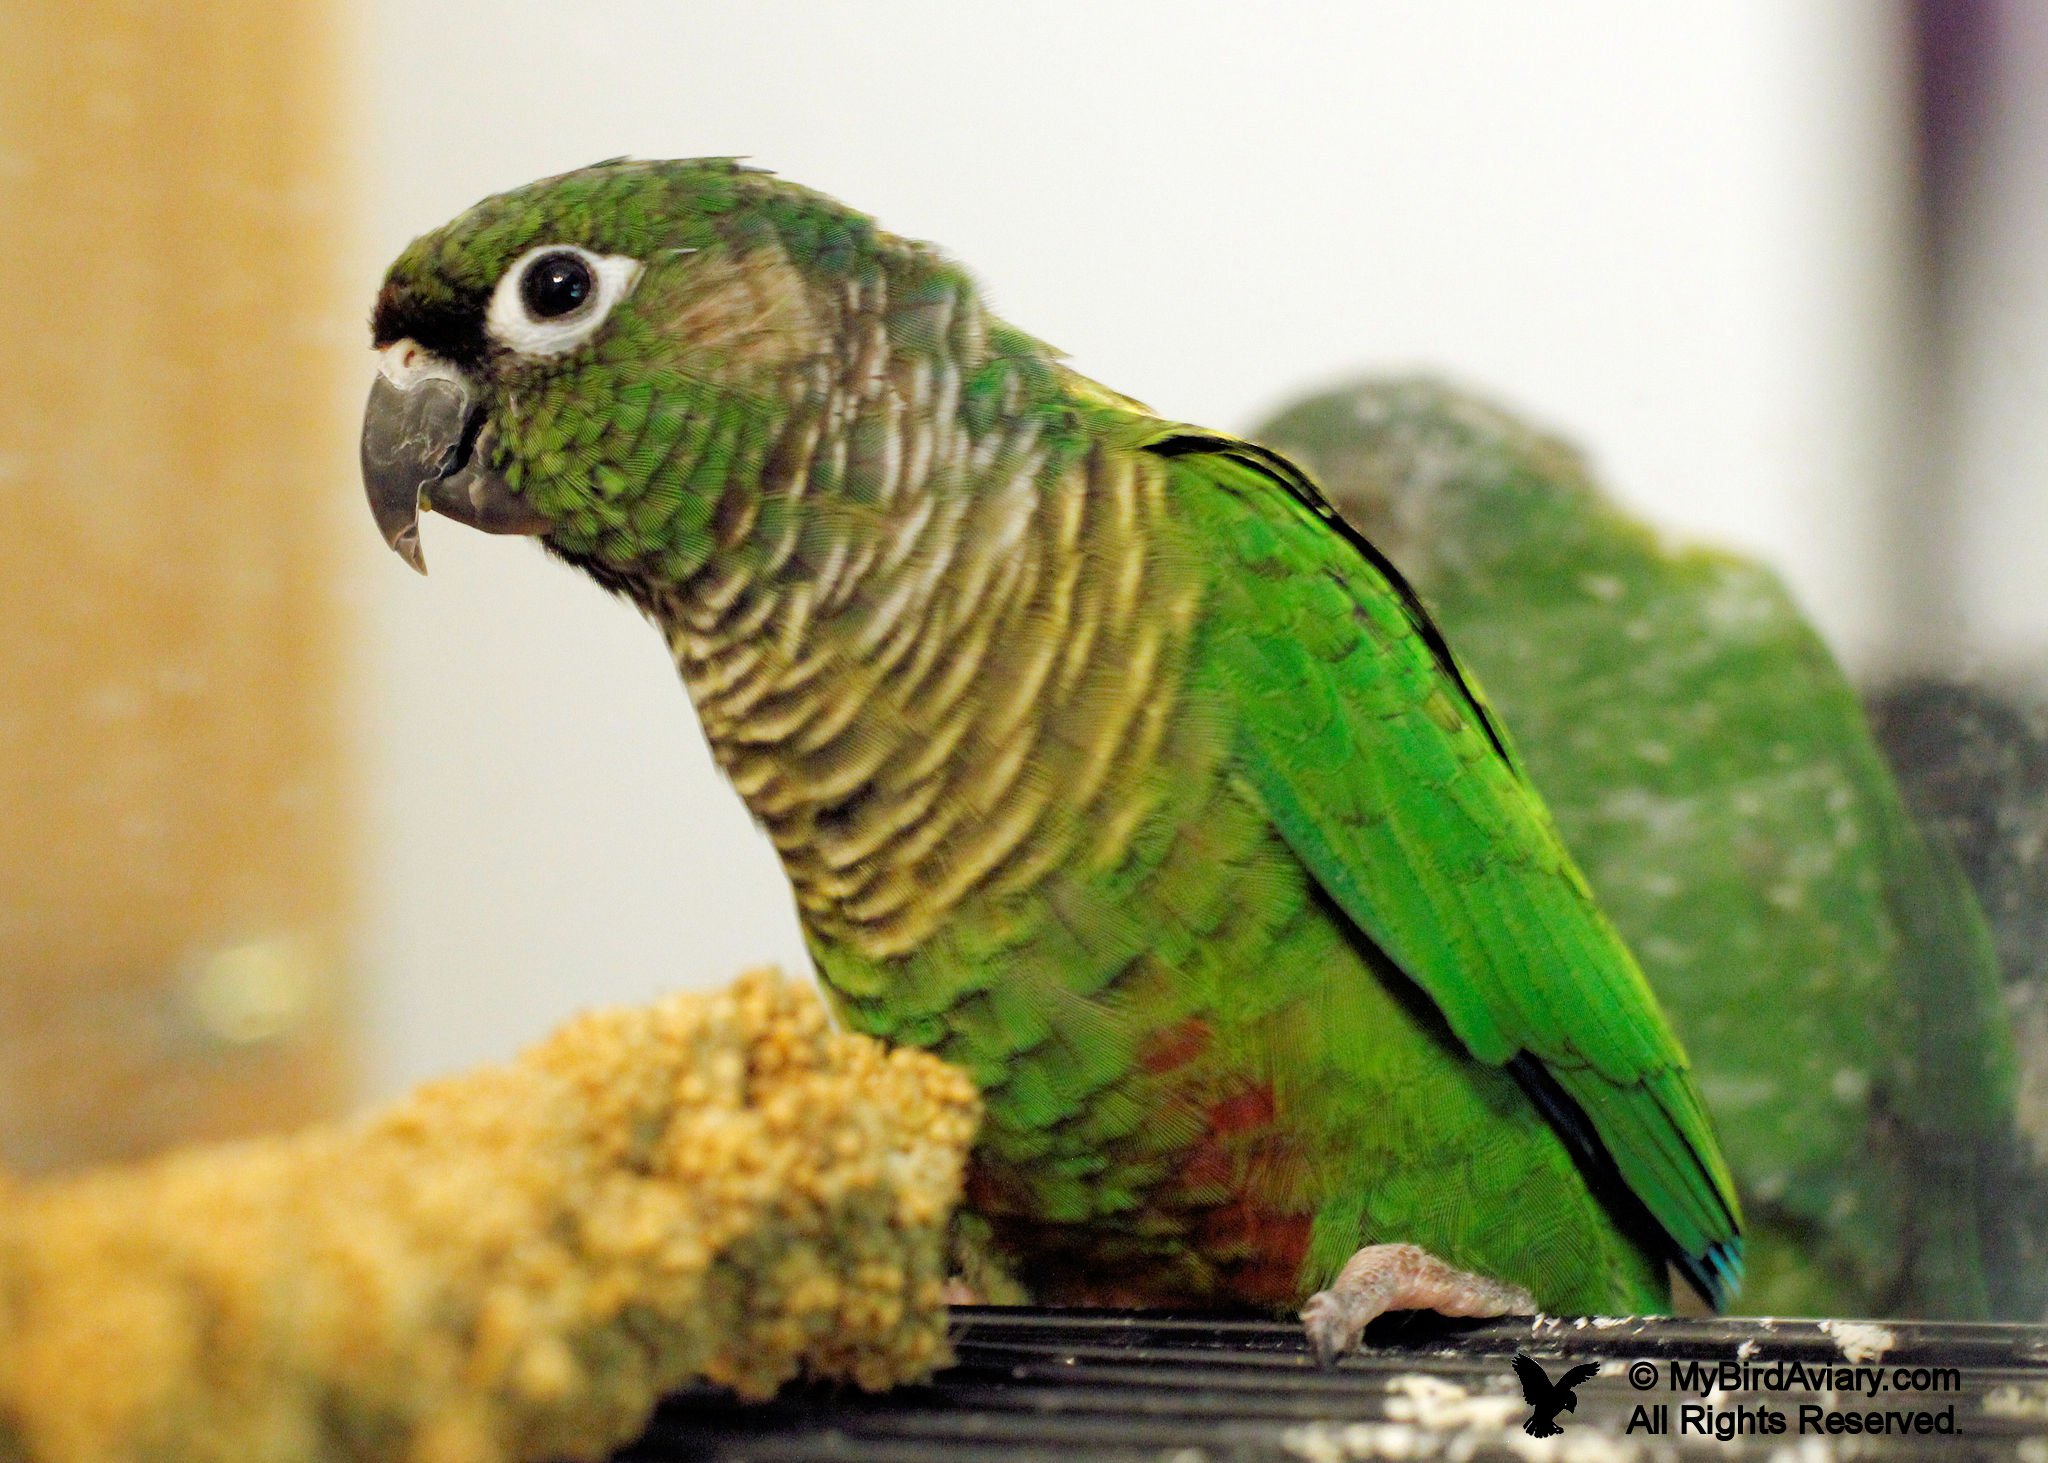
927 656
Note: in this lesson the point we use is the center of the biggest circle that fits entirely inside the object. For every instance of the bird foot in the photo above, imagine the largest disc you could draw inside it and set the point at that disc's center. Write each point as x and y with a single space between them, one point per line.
1382 1278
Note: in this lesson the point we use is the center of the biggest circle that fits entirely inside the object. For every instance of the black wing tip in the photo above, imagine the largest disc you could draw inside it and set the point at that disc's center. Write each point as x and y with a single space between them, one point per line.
1716 1271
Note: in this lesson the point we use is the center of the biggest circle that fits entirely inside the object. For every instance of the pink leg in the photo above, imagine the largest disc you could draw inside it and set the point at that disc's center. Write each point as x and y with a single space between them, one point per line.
1382 1278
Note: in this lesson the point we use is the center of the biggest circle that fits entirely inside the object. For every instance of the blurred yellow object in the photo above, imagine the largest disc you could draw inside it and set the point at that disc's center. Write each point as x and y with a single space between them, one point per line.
511 1264
176 422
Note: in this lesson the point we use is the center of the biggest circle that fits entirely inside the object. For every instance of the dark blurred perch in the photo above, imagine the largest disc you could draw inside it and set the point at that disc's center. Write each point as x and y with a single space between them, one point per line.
1118 1387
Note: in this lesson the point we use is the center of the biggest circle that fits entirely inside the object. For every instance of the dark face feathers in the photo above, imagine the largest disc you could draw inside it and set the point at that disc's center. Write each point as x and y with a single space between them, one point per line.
452 327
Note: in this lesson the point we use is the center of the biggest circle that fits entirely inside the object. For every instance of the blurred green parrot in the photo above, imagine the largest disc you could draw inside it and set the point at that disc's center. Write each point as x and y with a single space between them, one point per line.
1711 770
1104 759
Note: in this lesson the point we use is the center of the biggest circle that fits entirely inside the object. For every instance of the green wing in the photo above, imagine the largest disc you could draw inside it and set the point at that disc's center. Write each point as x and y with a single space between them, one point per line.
1710 768
1380 765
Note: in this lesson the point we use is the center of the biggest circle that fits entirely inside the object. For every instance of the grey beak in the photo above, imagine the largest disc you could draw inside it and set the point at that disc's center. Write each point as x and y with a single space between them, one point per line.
426 445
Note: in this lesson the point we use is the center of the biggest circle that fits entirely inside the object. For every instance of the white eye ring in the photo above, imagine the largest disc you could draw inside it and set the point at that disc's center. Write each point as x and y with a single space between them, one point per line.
512 323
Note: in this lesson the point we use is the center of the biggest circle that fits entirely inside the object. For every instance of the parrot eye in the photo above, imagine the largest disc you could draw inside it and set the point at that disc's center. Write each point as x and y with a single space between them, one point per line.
555 284
554 297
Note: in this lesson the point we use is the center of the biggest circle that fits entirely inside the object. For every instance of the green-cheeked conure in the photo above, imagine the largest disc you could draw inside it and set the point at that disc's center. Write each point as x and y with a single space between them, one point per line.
1104 759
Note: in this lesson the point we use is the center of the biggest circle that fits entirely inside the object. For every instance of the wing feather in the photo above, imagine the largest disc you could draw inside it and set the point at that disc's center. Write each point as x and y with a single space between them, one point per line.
1387 774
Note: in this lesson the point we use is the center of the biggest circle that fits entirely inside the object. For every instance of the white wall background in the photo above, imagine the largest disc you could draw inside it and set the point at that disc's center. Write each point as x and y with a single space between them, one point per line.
1674 231
2000 389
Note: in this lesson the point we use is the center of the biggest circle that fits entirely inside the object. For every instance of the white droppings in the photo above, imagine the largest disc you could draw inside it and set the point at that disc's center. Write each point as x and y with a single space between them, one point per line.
1432 1402
1328 1442
2014 1400
1438 1420
1860 1341
1746 1350
1576 1446
1317 1442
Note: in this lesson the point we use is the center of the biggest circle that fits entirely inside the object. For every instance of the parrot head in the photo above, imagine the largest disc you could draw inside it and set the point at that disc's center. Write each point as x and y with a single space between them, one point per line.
537 354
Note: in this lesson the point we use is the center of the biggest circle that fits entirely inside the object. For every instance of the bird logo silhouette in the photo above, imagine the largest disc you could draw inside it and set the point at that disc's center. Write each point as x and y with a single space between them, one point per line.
1546 1397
